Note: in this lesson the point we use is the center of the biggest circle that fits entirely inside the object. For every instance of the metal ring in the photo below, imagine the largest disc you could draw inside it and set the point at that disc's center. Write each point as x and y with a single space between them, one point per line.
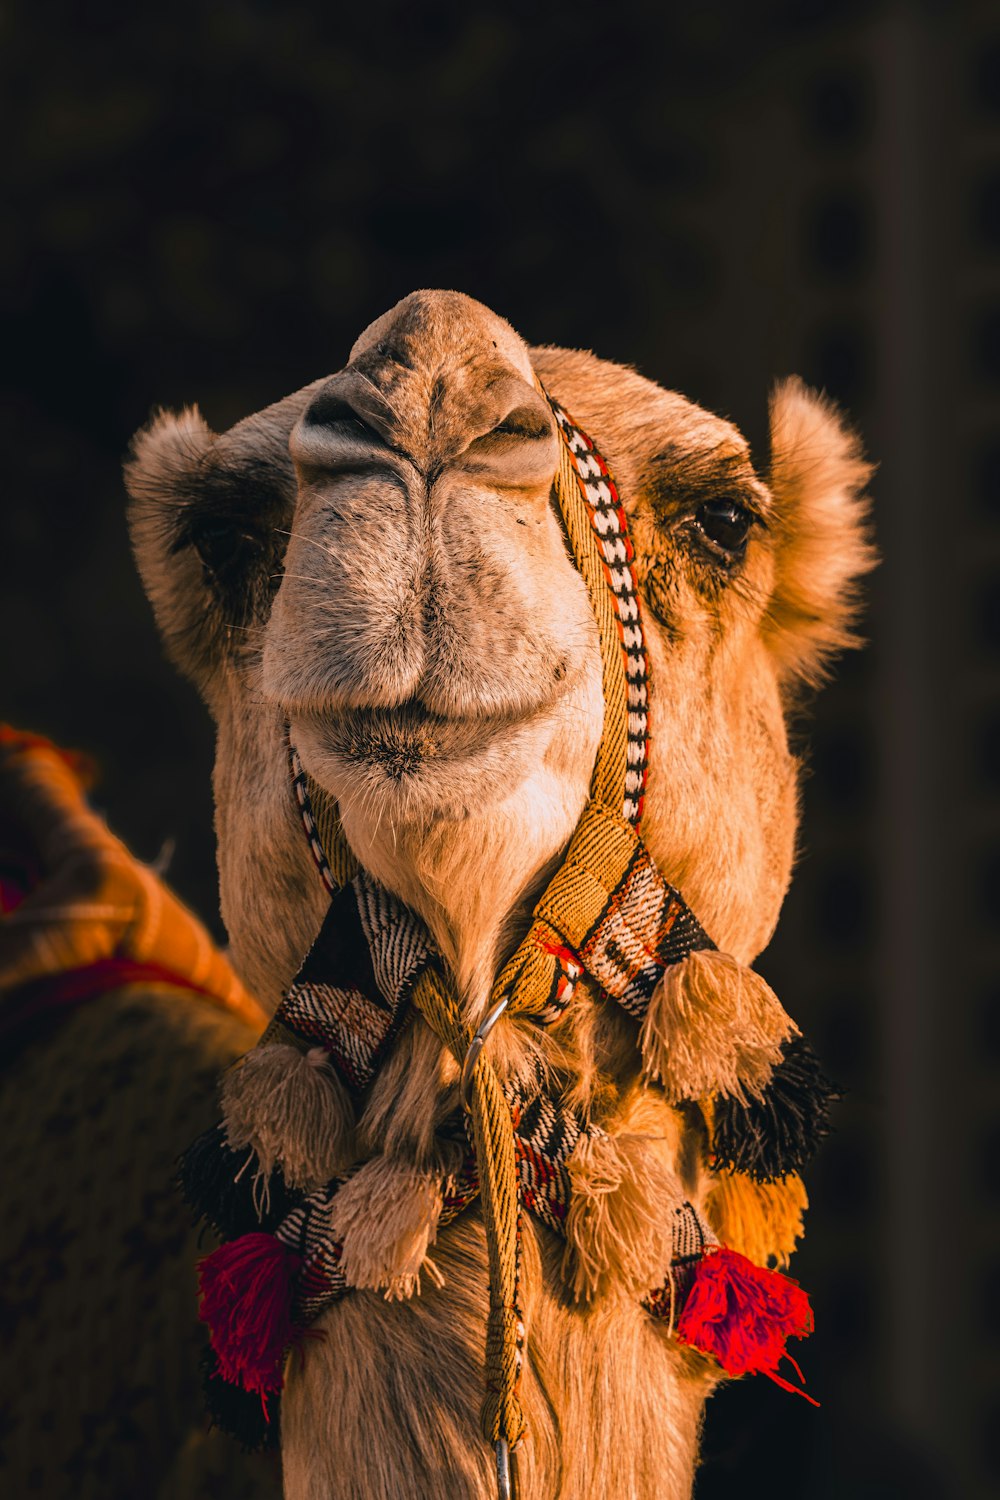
475 1047
506 1470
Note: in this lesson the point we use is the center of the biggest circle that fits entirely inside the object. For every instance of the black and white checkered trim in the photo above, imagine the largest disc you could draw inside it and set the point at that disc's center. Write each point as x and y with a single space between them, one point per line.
308 820
607 516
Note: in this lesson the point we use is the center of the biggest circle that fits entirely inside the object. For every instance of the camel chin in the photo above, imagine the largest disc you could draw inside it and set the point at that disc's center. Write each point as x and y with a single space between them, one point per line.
377 560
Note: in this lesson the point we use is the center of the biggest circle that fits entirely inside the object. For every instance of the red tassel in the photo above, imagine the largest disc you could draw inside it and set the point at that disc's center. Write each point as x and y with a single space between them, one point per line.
246 1300
743 1315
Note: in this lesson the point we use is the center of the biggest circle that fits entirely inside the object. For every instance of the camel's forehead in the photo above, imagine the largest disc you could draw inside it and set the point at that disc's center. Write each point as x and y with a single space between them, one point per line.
464 346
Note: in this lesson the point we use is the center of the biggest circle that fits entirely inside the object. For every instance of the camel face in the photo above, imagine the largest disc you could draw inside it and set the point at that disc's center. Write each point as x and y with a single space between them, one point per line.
378 560
430 638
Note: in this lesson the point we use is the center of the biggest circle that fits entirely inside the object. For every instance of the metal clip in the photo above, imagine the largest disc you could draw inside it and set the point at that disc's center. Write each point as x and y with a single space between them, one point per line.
506 1470
475 1047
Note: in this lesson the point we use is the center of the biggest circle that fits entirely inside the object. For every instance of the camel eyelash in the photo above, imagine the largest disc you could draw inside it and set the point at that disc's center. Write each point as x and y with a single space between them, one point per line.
720 528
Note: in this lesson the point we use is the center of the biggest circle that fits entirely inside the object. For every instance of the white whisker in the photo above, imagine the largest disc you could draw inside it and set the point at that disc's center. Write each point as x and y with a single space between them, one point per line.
300 536
381 394
303 578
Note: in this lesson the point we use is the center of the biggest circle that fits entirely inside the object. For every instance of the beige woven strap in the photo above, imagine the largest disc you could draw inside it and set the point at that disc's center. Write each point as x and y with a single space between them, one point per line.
343 864
607 784
502 1416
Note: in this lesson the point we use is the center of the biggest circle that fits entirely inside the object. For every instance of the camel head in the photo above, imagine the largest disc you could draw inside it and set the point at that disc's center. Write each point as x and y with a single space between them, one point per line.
377 561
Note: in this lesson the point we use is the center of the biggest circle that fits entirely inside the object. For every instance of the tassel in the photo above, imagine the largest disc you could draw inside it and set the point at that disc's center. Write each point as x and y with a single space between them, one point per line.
386 1216
221 1187
777 1134
763 1221
713 1026
292 1110
237 1412
619 1224
246 1300
743 1316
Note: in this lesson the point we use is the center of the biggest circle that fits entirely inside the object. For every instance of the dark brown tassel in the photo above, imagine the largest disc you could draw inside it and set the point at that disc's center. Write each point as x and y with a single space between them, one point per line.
220 1186
776 1134
238 1412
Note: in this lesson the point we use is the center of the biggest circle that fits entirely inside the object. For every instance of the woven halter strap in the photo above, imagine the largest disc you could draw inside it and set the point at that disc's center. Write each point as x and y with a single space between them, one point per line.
606 854
607 913
606 910
595 523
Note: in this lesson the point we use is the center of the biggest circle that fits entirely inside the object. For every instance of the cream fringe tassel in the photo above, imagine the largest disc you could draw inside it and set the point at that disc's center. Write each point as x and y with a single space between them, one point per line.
713 1027
293 1111
619 1224
386 1217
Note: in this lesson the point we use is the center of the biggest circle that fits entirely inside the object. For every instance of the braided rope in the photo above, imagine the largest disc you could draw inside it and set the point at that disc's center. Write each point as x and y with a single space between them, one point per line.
493 1137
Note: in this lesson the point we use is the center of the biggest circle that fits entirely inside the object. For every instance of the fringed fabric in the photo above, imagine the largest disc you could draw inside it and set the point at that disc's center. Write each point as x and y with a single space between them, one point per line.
777 1133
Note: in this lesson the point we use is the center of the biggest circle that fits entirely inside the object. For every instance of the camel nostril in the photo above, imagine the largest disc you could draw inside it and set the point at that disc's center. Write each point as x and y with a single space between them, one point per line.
394 354
559 671
328 410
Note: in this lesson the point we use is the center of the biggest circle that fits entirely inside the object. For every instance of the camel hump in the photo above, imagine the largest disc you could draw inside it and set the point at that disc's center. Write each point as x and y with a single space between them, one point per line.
118 1013
80 914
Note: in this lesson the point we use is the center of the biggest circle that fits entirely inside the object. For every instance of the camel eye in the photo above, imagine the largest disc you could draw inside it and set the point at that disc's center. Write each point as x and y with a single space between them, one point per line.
225 547
725 524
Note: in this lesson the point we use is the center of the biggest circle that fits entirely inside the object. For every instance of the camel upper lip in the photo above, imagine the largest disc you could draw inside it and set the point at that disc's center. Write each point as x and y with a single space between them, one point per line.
411 710
413 717
408 736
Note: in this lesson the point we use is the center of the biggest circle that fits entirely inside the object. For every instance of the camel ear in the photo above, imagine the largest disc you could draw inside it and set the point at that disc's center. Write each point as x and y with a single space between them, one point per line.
818 477
165 474
209 520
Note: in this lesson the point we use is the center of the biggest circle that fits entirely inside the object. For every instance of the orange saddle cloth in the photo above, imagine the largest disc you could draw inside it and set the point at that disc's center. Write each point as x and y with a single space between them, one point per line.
79 915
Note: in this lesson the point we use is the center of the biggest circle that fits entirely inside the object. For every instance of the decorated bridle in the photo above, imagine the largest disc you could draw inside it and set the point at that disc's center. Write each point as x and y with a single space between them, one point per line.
278 1177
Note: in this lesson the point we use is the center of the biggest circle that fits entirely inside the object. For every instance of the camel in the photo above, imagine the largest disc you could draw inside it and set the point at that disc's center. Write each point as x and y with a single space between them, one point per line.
117 1013
375 565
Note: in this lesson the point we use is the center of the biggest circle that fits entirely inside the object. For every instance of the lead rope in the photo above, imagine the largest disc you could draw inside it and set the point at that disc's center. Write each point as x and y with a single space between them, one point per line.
537 979
493 1137
591 512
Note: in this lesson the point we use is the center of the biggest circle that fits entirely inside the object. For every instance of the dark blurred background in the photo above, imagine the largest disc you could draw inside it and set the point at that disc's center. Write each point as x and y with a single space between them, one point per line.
209 202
